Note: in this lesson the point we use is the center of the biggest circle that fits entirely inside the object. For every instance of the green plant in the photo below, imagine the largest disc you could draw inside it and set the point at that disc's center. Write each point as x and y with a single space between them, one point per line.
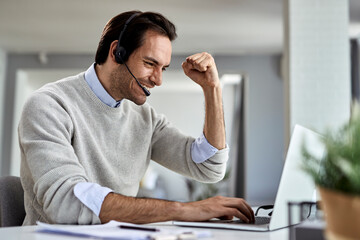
340 166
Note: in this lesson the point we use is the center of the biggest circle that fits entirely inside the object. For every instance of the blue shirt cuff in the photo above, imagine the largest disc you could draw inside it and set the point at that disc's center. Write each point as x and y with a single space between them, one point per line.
91 195
201 150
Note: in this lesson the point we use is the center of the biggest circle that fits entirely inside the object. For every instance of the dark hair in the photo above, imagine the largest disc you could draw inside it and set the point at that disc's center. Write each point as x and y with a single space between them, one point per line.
133 37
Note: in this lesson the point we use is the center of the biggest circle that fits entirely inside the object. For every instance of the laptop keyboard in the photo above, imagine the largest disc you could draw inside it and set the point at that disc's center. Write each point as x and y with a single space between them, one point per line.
258 221
262 220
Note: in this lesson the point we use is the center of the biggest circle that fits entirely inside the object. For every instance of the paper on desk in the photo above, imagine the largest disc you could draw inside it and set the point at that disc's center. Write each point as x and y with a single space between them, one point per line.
111 230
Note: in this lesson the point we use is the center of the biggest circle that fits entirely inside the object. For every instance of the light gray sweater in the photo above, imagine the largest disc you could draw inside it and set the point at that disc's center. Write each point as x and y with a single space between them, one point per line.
67 135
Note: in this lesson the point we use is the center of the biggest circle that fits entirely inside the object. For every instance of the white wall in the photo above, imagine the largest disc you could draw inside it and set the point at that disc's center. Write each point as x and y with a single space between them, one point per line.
3 65
317 50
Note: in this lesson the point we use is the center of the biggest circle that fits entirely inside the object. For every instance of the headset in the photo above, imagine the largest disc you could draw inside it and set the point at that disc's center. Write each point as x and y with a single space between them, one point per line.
120 53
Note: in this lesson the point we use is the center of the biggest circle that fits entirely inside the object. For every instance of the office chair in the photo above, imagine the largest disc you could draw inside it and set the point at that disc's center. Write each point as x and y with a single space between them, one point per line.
12 210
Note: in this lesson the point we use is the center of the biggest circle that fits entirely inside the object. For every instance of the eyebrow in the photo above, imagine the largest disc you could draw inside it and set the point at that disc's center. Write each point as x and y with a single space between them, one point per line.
154 61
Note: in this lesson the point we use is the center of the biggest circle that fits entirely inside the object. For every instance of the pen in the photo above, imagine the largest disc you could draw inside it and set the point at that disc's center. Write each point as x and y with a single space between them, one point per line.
139 228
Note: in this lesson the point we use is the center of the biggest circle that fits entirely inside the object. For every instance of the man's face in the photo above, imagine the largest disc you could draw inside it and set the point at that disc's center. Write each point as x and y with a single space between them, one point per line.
147 64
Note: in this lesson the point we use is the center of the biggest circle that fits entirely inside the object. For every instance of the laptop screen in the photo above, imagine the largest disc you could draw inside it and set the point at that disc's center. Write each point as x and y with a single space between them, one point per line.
295 184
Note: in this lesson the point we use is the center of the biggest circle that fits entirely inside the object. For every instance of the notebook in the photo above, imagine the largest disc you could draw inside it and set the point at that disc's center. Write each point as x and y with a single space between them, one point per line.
295 185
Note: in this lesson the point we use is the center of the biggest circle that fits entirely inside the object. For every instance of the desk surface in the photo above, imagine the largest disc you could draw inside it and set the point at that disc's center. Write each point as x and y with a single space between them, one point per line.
29 233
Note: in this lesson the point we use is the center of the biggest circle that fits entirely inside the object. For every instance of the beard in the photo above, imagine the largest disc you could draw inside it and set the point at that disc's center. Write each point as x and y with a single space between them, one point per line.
123 85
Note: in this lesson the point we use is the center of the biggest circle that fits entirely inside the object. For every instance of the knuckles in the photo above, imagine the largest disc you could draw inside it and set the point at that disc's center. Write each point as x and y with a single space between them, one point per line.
237 201
219 198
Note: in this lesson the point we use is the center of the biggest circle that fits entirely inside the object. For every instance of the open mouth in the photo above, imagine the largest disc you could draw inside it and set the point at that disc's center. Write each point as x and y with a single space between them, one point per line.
146 87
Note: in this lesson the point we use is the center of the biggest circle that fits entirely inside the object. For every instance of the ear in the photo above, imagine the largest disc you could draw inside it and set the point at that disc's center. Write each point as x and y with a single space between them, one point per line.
112 51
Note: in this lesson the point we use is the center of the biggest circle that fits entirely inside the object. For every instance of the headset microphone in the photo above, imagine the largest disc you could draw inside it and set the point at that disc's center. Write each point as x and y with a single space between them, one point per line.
120 54
147 93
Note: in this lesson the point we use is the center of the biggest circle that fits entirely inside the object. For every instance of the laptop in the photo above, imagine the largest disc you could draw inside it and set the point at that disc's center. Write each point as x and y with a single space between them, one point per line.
295 186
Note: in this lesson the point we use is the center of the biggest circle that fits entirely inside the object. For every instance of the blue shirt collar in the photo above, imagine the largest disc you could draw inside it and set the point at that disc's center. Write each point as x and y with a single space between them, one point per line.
96 86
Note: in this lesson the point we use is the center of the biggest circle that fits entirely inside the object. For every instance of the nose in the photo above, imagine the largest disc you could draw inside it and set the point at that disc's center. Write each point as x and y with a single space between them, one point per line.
156 77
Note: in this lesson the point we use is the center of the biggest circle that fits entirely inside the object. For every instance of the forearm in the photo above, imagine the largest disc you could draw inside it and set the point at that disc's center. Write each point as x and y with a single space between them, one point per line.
201 68
214 127
138 210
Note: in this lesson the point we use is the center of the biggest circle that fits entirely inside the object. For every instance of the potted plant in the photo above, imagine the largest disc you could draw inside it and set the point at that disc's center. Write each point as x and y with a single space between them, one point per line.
337 176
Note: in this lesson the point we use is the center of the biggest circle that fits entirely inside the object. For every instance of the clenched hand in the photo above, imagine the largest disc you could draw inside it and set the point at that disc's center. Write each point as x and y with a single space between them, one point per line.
201 68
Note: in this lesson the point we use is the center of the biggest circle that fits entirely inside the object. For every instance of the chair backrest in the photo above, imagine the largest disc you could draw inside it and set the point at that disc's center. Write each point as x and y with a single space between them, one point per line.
12 210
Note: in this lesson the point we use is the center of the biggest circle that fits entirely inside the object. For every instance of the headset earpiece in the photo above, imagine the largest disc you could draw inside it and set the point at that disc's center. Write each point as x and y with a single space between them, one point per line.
120 55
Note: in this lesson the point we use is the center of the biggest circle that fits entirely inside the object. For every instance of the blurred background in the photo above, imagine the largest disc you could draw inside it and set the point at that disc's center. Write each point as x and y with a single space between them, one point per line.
281 62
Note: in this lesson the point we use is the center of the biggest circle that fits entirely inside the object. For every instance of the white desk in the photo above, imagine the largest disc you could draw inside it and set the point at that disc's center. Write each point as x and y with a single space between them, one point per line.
29 233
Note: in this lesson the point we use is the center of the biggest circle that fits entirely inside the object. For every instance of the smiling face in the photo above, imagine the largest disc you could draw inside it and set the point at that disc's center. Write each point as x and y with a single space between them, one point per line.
147 64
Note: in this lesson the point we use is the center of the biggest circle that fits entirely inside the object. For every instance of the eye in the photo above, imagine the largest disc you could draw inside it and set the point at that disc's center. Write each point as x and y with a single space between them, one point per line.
163 69
149 63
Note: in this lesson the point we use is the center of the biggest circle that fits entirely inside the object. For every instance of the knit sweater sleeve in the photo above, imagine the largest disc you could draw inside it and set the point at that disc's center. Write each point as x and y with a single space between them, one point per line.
50 163
172 149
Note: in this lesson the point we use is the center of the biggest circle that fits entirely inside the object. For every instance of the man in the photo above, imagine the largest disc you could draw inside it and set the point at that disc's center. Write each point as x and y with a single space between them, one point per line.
87 140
